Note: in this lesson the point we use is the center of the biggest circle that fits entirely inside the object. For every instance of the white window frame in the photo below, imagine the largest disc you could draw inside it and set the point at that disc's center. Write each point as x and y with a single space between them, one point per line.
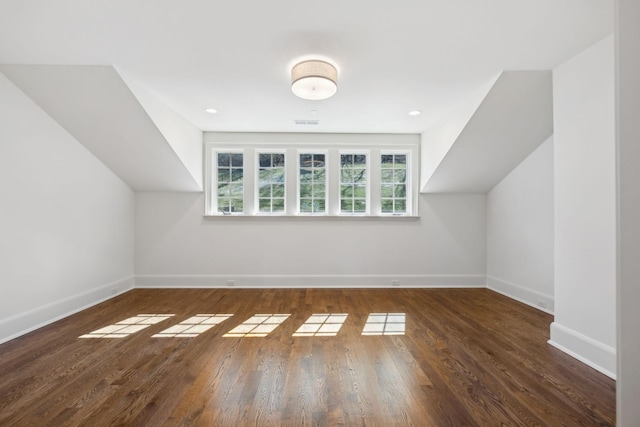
211 196
367 168
408 182
256 198
332 145
299 153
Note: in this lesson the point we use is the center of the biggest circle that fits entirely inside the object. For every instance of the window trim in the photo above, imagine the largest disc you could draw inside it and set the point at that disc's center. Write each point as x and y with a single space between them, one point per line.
327 190
331 145
256 181
211 194
368 157
409 183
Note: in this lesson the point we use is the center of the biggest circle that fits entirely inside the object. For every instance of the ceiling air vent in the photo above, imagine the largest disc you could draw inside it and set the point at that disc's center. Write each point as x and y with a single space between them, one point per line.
306 122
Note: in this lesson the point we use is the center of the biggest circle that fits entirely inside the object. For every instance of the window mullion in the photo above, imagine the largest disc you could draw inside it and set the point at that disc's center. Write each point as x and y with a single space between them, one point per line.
333 183
209 178
374 184
250 182
291 184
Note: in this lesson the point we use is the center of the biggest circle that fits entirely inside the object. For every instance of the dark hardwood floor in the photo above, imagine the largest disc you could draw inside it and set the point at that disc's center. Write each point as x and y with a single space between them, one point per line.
468 358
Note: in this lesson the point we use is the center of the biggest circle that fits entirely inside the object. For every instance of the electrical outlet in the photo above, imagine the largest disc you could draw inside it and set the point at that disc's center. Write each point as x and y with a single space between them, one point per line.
395 283
231 282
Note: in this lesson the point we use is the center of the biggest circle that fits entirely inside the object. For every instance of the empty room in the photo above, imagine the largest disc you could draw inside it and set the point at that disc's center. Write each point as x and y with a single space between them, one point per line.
360 213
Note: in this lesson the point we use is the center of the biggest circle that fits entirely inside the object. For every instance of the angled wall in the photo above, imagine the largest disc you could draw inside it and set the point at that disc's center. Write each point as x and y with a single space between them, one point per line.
585 207
95 105
439 138
67 221
520 231
513 119
184 138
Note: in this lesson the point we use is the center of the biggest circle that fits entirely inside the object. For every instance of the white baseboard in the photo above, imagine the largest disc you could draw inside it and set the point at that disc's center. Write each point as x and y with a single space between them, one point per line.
599 356
23 323
311 281
527 296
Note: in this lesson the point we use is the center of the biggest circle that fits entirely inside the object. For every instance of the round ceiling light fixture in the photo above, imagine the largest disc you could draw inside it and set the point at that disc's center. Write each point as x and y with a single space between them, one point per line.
314 80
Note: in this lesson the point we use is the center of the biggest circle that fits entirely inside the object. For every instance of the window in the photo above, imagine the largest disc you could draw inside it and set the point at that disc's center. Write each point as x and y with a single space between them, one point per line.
353 183
311 175
271 182
230 182
393 183
312 183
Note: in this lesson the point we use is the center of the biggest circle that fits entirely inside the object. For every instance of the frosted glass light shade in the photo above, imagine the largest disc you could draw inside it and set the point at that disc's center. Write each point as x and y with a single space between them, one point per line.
314 80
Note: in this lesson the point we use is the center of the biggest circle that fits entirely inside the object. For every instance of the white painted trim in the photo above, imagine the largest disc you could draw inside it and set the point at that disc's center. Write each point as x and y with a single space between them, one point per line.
599 356
522 294
30 320
312 281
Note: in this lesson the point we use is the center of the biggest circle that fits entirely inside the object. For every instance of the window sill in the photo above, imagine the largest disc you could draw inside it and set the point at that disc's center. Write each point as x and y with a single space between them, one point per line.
316 217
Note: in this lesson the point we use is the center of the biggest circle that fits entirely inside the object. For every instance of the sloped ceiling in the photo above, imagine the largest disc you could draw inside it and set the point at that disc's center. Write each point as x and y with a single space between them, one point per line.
515 117
95 105
236 56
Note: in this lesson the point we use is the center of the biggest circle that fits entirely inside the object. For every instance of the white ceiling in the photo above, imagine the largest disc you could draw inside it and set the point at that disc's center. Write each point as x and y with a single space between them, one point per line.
392 56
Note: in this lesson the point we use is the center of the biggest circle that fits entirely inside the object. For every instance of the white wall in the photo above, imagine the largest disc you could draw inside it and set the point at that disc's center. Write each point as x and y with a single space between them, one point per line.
585 207
520 231
66 221
176 246
628 133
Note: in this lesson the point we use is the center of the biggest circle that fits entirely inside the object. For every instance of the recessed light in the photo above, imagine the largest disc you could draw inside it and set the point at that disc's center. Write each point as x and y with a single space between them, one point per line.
211 111
415 112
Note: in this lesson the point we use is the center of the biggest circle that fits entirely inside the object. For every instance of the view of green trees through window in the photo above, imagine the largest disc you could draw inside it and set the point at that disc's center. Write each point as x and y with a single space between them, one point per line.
271 181
353 183
313 180
313 183
230 182
393 183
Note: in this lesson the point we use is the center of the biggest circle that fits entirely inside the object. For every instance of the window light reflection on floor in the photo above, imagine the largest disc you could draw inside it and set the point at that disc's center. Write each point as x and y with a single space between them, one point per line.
193 326
321 325
385 324
128 326
259 325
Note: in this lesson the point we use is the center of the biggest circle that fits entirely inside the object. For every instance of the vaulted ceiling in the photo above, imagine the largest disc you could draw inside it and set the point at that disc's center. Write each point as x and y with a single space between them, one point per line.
131 79
236 56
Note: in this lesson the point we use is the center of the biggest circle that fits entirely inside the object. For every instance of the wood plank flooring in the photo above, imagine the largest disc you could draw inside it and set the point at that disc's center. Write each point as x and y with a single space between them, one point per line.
469 357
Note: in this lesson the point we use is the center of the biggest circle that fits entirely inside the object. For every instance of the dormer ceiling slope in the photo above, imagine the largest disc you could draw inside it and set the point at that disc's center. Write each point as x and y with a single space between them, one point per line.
512 120
96 106
131 80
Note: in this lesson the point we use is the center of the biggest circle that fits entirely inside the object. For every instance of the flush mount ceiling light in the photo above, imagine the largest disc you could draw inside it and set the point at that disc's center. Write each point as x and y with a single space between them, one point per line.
314 80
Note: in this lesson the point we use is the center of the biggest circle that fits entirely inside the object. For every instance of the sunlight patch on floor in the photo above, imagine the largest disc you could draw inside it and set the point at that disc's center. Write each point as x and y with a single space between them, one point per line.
259 325
321 325
193 326
128 326
385 324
